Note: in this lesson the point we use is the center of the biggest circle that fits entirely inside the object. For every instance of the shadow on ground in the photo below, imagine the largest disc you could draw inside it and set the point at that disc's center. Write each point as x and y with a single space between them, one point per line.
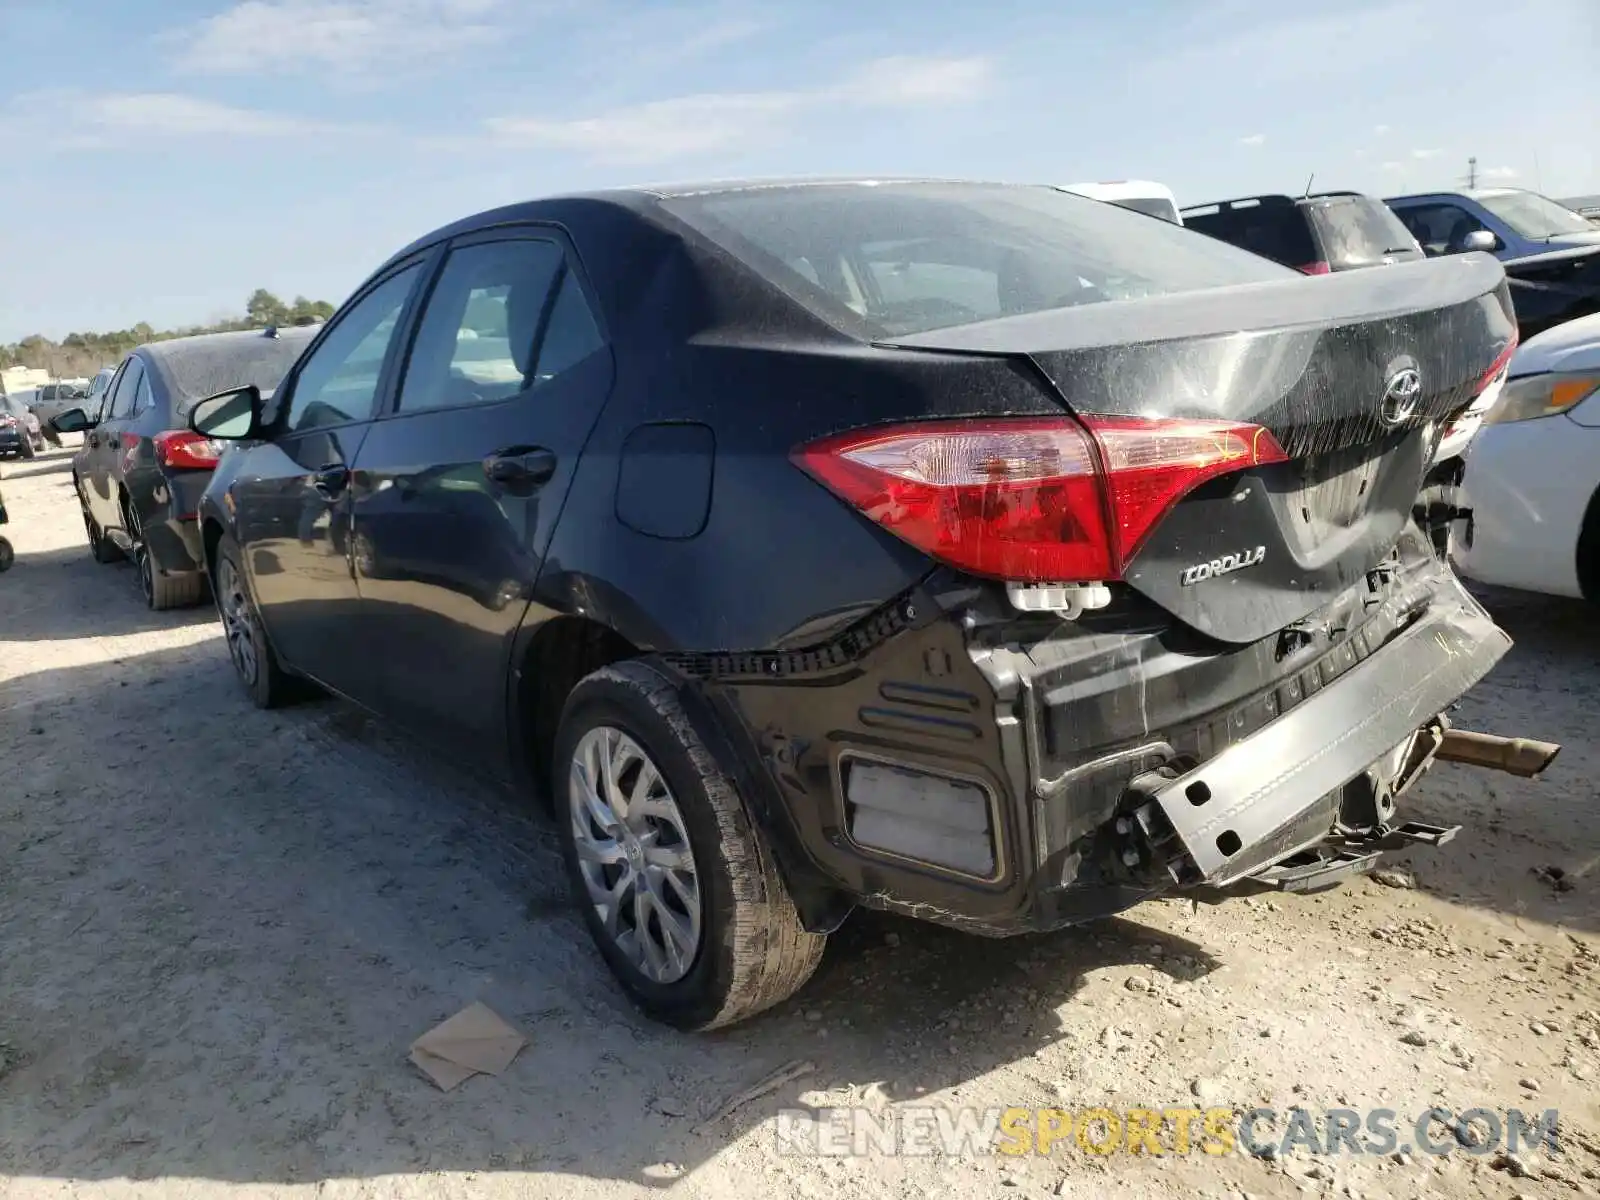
56 595
1528 848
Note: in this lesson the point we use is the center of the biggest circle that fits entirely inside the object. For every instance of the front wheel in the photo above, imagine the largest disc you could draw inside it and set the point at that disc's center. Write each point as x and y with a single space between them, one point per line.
26 446
7 555
680 894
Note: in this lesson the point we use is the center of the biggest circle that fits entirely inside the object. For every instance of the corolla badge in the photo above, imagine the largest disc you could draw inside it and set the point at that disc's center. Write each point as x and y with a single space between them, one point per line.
1401 395
1226 565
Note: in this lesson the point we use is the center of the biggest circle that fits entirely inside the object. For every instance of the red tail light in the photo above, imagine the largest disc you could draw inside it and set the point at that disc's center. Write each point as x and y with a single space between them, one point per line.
184 450
1498 366
1316 268
1038 500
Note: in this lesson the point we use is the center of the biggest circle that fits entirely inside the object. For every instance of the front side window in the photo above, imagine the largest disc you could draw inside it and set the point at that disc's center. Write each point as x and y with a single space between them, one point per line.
127 389
339 381
909 258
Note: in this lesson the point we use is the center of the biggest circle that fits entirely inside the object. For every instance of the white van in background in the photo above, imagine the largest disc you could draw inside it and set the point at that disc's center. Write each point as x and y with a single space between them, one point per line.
1152 199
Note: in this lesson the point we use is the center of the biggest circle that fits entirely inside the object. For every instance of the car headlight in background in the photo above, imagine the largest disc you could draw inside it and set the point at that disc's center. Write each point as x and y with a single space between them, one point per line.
1542 396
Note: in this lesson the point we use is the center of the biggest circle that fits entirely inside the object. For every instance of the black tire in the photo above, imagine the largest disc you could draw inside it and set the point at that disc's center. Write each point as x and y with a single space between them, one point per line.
162 590
101 549
263 677
26 449
752 952
7 555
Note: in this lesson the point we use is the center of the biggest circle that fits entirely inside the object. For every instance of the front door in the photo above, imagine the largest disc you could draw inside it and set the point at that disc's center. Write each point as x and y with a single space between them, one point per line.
293 495
457 488
103 443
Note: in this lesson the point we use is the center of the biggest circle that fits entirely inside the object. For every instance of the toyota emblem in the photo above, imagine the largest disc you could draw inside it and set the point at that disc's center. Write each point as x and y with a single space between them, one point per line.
1401 395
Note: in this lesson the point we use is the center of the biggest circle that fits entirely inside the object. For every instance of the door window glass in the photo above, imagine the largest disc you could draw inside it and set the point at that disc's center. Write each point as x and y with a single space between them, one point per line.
477 338
127 389
340 379
103 409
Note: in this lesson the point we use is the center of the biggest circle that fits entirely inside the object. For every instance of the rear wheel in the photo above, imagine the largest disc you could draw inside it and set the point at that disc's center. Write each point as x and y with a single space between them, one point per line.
7 555
255 664
680 894
26 449
161 589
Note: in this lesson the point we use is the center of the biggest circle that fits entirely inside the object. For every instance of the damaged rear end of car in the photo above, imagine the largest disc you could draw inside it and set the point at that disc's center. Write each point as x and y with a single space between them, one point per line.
1178 630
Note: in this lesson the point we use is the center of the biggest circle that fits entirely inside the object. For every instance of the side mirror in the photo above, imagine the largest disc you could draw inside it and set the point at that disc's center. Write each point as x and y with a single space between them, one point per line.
1480 239
74 420
232 416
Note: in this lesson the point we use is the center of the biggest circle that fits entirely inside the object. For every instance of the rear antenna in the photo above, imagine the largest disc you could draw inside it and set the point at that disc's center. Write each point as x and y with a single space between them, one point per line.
1309 182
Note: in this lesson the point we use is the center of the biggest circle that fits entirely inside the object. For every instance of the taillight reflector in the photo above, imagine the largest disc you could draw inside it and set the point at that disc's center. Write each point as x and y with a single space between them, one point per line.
185 450
1316 268
1032 499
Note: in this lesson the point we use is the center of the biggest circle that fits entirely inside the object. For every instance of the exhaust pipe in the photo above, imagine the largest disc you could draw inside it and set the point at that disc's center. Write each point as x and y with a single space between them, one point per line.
1522 757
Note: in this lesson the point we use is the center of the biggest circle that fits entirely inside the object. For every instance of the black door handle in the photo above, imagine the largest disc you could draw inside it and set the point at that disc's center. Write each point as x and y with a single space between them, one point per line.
330 481
113 442
520 468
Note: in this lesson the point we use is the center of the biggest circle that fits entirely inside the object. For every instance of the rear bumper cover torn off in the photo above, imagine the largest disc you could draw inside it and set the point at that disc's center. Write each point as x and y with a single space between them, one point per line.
1245 809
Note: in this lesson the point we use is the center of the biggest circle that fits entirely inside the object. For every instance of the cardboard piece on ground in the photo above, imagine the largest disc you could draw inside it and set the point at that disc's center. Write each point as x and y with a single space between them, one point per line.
473 1041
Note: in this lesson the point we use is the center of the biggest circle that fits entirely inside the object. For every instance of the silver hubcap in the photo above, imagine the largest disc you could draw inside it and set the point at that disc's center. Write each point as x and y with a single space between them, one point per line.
238 622
634 854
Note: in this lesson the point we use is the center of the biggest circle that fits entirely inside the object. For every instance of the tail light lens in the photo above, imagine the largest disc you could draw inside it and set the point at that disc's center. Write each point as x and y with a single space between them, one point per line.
1316 268
185 450
1035 500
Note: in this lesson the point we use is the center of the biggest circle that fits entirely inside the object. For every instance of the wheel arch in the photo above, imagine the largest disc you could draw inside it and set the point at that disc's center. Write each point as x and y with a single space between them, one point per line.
1587 550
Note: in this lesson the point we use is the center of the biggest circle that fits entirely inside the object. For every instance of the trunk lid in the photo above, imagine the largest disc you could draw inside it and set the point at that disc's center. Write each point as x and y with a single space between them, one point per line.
1353 374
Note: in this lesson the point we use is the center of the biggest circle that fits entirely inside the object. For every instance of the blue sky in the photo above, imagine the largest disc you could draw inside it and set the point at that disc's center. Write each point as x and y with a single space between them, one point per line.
162 158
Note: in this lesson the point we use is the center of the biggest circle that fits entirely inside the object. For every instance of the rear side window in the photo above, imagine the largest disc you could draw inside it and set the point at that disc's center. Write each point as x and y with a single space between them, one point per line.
908 258
1279 231
1358 232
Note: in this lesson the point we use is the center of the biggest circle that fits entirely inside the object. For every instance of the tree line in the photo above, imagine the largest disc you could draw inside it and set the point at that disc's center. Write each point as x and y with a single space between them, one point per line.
79 355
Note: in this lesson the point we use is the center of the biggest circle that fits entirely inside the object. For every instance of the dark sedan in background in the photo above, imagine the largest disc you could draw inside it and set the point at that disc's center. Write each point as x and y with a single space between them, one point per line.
140 471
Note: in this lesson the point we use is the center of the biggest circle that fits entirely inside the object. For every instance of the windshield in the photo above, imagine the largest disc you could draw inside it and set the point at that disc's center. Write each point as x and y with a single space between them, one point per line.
1533 216
910 258
1356 231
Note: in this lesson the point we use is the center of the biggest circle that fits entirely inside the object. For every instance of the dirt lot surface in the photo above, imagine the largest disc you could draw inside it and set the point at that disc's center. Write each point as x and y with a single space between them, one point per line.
220 929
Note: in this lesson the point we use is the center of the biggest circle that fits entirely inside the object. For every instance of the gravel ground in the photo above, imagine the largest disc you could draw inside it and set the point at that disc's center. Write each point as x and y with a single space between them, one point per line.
220 930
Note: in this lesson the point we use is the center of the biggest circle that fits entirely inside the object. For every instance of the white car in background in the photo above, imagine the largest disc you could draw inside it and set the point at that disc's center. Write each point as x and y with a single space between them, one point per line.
1532 478
1152 199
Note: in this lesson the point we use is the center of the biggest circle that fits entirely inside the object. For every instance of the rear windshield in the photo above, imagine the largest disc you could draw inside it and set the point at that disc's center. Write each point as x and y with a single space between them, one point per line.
231 361
1534 216
908 258
1358 231
1150 206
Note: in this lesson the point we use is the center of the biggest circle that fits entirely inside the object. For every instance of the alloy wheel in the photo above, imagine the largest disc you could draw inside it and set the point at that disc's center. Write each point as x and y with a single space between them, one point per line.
141 557
238 622
634 855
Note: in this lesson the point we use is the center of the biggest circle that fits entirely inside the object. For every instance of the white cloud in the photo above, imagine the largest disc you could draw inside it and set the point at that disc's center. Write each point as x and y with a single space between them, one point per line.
1253 139
68 119
1380 130
1499 172
1391 165
1420 154
350 36
683 126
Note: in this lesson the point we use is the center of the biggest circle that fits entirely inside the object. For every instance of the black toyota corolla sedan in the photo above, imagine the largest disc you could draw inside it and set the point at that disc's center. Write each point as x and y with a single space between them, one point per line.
141 470
976 552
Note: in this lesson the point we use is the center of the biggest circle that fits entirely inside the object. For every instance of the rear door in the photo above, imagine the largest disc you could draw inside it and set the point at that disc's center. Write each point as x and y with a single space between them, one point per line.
458 488
292 494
